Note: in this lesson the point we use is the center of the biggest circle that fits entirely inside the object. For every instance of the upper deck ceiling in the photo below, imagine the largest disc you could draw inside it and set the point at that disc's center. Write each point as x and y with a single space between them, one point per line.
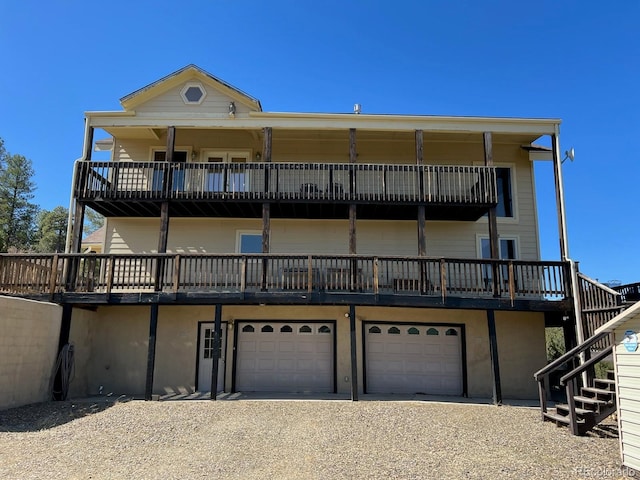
333 135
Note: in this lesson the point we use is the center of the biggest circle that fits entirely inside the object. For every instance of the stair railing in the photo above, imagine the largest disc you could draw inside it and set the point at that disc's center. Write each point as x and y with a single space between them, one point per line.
569 380
573 356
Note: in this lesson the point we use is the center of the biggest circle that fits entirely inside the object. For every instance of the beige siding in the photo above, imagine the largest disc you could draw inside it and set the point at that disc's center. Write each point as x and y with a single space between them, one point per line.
207 235
627 374
170 102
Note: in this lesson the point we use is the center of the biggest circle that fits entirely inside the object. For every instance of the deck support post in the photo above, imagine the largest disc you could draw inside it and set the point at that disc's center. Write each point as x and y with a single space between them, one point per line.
557 175
495 364
88 147
352 208
151 351
354 356
78 221
266 206
422 238
217 331
492 220
63 339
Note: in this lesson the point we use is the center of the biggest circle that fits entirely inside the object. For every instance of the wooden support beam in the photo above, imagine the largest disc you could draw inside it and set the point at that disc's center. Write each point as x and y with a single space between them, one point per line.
59 392
217 331
422 238
171 144
557 175
266 145
162 244
419 147
353 157
78 221
151 351
354 353
266 236
422 234
89 145
495 364
492 219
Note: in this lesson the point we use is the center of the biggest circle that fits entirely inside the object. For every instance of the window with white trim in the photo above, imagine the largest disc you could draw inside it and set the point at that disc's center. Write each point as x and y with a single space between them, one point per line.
507 250
249 242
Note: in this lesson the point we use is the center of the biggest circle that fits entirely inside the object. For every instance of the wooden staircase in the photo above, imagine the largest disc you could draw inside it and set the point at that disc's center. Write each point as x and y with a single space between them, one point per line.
589 400
593 405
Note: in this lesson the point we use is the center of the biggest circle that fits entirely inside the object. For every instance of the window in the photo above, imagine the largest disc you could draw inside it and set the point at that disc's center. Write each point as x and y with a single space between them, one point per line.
267 329
178 174
249 242
433 331
375 330
506 251
193 93
505 201
451 332
227 171
394 331
248 328
305 329
413 331
506 248
286 329
324 329
208 343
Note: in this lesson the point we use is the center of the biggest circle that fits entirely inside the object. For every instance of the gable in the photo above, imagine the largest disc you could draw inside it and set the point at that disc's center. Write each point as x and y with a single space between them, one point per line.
172 102
189 90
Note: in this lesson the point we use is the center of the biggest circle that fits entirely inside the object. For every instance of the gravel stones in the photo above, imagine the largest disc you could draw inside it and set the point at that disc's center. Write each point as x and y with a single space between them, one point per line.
293 439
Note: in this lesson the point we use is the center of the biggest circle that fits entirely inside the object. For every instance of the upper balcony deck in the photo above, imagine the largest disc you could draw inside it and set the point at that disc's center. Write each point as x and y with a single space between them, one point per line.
310 190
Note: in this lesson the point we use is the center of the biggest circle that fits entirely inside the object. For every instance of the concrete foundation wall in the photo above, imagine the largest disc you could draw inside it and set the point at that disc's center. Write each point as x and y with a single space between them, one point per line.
114 341
29 333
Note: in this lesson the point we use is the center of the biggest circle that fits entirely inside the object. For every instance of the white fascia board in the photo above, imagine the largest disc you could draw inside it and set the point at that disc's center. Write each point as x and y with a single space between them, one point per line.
257 120
544 156
629 314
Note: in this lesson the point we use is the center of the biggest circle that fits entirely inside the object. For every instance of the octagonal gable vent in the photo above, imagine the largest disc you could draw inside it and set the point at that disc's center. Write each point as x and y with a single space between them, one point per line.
193 93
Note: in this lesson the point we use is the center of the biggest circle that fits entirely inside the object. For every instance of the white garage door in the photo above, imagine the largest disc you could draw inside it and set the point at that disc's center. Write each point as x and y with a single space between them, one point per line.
285 357
413 359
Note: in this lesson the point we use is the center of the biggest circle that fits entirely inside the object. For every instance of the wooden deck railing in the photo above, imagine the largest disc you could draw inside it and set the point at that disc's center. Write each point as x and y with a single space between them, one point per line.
630 292
234 273
435 184
599 304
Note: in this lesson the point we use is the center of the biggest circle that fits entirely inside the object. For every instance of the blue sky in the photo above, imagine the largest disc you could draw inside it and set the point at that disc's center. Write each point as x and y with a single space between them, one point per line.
575 60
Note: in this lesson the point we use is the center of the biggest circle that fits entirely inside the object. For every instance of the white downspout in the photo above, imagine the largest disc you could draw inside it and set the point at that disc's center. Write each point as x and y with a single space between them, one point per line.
67 247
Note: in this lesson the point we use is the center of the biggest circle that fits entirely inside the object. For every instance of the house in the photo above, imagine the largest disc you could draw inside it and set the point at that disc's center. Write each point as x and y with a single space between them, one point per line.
353 253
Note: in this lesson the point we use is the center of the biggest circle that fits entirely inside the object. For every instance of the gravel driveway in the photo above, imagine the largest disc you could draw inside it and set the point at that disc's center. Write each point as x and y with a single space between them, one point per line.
294 439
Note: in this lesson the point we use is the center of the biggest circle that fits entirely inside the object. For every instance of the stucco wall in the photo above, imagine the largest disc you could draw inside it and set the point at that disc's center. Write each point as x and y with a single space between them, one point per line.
118 342
29 333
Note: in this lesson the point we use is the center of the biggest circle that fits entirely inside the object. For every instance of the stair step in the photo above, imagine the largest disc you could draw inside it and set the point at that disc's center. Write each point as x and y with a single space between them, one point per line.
608 382
596 391
555 417
589 400
580 411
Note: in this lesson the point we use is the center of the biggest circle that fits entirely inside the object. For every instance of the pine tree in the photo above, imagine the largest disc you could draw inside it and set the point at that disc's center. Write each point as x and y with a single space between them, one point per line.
52 228
17 213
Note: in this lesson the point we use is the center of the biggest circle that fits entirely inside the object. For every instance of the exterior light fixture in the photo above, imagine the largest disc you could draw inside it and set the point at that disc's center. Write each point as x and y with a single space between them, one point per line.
232 109
258 156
